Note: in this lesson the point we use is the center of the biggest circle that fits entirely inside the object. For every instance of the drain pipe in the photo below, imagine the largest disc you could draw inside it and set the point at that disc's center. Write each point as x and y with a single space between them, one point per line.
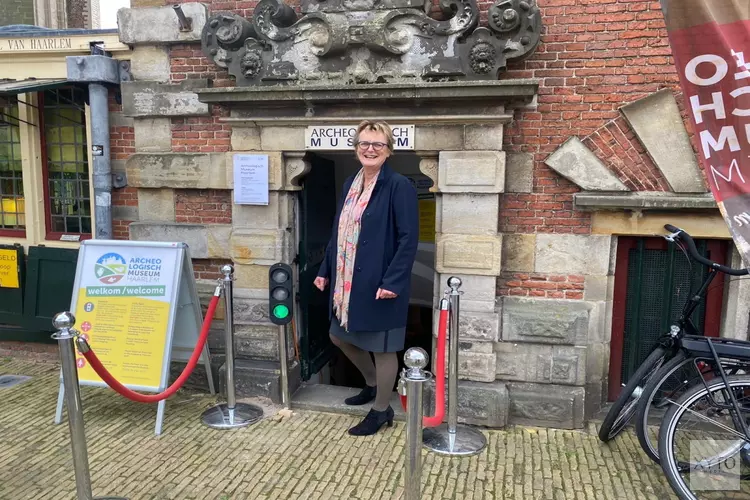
98 97
98 71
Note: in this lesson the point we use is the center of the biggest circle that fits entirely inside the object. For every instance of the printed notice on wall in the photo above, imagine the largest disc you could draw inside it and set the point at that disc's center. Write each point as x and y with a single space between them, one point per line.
123 309
9 269
251 179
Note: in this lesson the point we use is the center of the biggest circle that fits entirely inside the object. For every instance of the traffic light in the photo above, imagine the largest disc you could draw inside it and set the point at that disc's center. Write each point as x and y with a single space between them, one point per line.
280 294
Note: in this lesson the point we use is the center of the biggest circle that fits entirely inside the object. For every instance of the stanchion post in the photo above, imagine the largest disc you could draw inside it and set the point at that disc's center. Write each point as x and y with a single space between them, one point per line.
285 397
65 336
451 438
231 414
413 378
64 323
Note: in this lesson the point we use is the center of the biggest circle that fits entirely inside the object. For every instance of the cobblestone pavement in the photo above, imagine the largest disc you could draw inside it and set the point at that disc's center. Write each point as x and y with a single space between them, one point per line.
306 456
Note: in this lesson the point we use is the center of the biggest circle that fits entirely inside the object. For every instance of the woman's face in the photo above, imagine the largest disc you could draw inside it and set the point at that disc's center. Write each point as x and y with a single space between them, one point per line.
372 149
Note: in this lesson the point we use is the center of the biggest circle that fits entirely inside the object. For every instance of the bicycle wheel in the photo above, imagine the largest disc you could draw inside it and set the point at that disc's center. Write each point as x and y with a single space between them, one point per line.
624 407
676 376
709 439
672 380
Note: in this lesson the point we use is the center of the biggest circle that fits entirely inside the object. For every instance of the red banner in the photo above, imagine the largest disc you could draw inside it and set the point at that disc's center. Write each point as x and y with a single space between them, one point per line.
710 42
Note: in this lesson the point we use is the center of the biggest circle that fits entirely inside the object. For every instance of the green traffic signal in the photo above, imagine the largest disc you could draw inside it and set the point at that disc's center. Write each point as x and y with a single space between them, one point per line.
281 311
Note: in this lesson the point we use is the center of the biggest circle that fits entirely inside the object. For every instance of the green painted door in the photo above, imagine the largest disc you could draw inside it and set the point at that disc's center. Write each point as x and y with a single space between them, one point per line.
317 212
653 280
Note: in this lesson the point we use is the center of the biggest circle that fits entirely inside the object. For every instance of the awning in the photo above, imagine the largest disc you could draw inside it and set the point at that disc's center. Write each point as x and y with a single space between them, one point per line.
15 87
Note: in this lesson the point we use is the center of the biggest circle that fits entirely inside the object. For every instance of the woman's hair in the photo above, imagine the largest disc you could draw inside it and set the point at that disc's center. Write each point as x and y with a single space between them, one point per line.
375 126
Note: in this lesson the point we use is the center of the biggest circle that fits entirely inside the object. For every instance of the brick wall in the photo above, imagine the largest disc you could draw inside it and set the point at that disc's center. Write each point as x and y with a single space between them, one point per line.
203 206
121 145
16 12
208 269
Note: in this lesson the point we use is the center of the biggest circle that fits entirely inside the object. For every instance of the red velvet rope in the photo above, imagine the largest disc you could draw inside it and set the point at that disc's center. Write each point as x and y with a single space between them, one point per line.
437 419
153 398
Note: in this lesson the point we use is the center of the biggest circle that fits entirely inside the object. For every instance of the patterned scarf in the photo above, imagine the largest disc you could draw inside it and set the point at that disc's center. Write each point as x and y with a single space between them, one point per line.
350 224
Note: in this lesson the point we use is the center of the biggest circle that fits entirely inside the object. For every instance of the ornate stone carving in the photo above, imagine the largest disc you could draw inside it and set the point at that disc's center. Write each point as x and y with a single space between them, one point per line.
371 41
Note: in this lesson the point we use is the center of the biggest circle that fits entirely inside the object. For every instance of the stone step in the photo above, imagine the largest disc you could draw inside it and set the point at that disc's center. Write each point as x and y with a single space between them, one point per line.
330 399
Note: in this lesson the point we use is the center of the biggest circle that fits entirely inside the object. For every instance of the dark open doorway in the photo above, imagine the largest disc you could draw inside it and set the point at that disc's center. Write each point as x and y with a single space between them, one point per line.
321 362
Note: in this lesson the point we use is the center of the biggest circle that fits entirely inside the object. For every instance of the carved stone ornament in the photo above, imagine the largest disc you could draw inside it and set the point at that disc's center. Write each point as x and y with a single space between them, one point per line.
371 41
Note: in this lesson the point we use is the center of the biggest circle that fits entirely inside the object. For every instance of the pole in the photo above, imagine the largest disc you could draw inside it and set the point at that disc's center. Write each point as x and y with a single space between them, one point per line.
413 378
65 336
64 322
454 284
231 414
285 398
229 338
102 171
451 438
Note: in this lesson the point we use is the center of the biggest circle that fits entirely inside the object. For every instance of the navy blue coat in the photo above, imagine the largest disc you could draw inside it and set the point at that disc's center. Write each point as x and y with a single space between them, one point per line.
386 251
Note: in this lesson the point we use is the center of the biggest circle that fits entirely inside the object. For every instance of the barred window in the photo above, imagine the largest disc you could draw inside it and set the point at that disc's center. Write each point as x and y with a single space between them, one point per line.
66 166
12 213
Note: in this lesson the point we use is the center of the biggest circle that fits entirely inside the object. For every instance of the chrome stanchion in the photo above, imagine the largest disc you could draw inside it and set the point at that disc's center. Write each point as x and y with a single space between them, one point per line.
231 414
285 398
411 385
451 438
65 336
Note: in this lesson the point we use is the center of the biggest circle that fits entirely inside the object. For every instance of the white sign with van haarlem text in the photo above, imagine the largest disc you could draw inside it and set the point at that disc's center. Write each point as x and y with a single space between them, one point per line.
332 137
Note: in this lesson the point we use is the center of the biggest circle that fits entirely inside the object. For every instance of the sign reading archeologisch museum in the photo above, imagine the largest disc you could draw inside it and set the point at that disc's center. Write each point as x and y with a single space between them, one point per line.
331 137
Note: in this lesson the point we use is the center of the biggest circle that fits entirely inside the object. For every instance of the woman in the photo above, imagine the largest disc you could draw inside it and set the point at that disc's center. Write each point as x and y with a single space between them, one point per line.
368 264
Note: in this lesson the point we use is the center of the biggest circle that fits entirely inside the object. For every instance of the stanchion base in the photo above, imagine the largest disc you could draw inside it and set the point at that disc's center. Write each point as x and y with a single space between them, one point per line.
465 441
218 416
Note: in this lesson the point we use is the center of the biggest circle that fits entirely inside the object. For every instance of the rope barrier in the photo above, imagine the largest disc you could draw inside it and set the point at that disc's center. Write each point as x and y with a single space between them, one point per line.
437 419
99 368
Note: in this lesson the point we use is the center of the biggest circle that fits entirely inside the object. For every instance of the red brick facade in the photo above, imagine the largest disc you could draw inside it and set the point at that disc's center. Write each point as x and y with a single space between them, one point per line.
595 56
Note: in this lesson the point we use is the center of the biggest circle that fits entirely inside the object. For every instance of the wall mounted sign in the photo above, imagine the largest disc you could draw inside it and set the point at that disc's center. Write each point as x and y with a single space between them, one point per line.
9 269
250 179
338 137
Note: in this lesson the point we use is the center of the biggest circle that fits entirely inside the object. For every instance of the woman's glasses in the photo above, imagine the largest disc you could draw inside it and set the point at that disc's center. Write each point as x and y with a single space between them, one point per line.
365 145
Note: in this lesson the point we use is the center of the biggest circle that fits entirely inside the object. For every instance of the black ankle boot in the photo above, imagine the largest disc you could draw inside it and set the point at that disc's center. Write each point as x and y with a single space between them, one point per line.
373 422
365 396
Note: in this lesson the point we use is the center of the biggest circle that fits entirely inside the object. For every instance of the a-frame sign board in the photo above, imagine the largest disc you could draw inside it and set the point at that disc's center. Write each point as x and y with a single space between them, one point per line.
137 304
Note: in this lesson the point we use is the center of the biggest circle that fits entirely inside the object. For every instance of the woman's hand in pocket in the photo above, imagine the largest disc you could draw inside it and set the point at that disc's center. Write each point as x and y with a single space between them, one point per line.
385 294
320 283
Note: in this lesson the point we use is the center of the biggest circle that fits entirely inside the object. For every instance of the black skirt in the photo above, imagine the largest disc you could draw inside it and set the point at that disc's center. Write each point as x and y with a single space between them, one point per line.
382 341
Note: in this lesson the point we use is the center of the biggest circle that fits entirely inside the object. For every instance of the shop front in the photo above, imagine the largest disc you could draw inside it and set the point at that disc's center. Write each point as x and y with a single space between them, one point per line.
47 158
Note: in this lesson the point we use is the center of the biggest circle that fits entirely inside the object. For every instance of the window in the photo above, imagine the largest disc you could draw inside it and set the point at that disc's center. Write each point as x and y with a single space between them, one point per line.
65 163
12 213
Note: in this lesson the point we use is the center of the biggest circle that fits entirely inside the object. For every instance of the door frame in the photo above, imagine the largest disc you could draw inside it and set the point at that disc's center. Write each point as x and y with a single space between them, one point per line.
714 300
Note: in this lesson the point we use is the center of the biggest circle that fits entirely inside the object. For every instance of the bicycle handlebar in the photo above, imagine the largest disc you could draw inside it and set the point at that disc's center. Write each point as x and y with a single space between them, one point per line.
693 251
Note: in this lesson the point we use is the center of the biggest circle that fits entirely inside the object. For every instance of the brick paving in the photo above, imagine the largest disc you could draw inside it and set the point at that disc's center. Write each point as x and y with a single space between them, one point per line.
306 456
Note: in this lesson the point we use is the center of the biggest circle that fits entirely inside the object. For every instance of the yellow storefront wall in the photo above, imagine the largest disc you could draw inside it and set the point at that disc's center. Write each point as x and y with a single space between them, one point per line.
44 58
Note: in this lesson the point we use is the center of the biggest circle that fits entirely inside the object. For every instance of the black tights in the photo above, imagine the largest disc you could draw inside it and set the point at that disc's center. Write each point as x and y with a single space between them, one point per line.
381 374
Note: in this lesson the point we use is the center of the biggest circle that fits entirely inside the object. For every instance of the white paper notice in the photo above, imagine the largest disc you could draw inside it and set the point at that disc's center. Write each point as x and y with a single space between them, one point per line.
251 179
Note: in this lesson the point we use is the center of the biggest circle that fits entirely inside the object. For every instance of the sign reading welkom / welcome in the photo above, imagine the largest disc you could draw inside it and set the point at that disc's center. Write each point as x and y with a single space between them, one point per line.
334 137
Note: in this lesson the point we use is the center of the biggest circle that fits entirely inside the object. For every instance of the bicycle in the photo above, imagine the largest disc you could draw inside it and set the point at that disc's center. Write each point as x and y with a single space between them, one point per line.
722 433
667 347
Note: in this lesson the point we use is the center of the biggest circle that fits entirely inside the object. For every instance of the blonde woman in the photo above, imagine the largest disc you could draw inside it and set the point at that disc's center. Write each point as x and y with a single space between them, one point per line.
368 267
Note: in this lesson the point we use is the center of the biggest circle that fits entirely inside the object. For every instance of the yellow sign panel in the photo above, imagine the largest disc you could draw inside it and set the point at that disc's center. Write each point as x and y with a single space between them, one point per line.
127 334
427 221
123 307
9 269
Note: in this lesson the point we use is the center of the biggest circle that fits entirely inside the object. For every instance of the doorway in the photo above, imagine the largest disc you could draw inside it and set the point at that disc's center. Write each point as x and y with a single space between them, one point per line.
321 361
653 280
